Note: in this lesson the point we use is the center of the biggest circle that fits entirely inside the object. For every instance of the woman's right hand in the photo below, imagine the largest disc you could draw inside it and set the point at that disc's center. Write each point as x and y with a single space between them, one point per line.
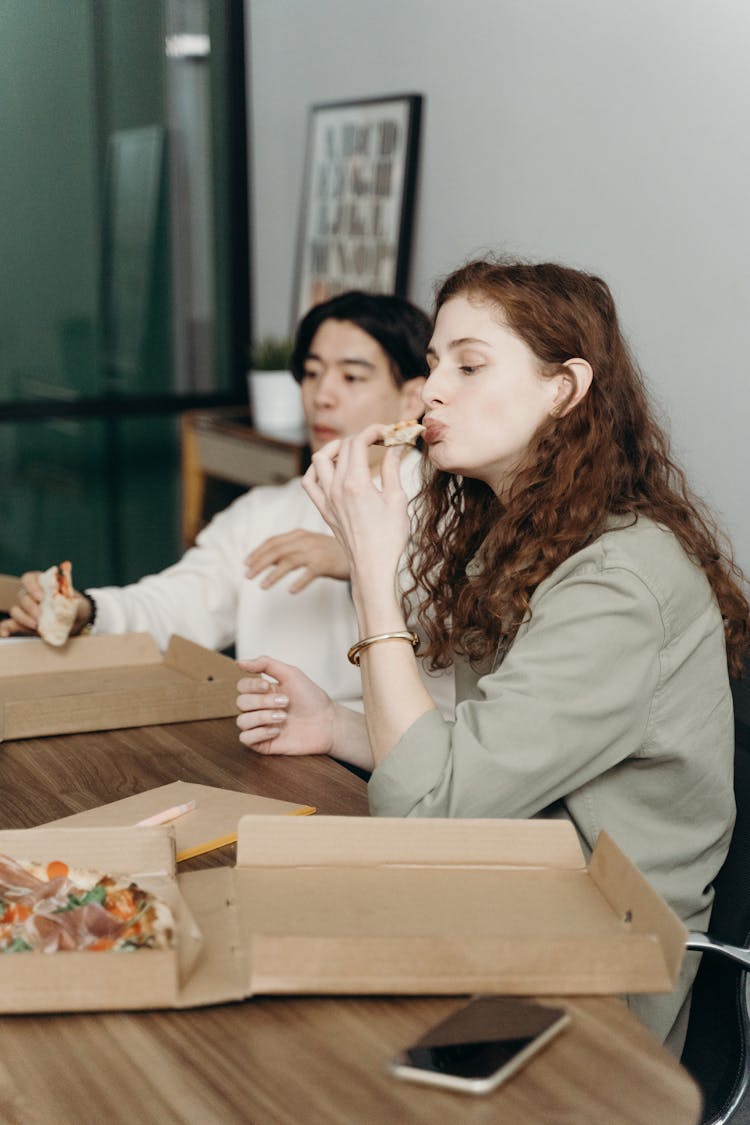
370 521
284 714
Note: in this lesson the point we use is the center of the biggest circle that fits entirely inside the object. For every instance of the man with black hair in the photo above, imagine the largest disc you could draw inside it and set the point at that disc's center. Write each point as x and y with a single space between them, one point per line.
266 575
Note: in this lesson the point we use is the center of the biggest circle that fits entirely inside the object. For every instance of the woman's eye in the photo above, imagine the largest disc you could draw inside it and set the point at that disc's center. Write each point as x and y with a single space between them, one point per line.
469 369
352 378
308 374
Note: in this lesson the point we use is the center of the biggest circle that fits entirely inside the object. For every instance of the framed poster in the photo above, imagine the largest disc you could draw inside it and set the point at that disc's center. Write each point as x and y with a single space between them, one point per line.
357 198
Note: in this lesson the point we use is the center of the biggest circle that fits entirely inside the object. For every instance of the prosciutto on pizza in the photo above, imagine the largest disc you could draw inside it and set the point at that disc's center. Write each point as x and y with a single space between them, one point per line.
52 908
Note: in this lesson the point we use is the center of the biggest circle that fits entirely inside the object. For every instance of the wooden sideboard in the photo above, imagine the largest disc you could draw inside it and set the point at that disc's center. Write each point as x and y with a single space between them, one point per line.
223 444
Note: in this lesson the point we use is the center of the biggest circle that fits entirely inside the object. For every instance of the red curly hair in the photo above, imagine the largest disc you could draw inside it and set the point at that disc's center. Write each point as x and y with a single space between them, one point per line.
606 456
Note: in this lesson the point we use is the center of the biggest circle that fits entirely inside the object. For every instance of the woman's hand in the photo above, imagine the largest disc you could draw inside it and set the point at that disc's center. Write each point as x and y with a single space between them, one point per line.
370 523
315 554
284 712
287 714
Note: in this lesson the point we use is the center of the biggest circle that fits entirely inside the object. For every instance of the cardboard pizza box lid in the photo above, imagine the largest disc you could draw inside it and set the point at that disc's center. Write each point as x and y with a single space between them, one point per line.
357 905
108 682
211 824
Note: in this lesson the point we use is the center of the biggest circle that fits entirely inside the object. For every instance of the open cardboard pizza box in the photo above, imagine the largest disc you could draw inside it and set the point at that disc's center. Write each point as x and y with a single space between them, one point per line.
107 682
69 981
353 905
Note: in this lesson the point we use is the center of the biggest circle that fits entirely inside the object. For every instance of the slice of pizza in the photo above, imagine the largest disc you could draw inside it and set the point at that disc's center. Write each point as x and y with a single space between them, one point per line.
52 908
59 604
403 433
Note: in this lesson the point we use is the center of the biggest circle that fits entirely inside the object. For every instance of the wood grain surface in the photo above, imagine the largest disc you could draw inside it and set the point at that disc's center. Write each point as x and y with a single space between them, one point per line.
42 779
281 1061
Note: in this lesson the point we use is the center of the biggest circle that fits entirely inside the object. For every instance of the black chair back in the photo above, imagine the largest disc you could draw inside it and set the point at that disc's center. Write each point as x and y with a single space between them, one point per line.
716 1051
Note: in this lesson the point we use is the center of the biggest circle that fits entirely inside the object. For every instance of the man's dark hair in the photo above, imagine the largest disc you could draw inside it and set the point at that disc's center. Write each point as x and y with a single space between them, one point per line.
402 330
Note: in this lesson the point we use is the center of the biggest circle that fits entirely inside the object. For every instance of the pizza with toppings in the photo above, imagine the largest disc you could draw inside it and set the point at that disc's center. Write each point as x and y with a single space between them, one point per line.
403 433
57 612
50 908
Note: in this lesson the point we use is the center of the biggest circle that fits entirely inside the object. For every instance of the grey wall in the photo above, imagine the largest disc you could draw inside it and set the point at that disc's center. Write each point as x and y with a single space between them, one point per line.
609 134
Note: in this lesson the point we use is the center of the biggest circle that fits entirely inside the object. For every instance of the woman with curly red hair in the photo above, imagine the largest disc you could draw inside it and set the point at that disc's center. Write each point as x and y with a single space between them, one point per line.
562 563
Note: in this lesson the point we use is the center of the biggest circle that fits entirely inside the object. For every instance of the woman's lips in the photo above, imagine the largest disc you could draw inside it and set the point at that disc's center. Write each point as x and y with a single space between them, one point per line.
325 433
434 430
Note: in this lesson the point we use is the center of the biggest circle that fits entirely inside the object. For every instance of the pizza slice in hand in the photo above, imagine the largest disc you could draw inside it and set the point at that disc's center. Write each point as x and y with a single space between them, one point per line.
403 433
59 605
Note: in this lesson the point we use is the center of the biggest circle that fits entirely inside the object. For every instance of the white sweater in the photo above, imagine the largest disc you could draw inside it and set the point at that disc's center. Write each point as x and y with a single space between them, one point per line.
207 598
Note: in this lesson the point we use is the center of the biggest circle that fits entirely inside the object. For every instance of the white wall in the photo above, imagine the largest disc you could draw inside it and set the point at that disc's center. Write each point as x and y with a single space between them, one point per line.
608 134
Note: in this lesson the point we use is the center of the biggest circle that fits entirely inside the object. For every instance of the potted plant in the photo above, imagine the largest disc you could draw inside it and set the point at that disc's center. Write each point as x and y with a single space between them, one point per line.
275 401
271 353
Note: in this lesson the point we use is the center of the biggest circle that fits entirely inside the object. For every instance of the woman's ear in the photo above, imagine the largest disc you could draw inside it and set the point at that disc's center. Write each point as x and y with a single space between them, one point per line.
411 398
573 382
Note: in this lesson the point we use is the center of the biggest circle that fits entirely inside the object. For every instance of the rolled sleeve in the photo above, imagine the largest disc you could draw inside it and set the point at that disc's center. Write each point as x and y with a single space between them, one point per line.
571 699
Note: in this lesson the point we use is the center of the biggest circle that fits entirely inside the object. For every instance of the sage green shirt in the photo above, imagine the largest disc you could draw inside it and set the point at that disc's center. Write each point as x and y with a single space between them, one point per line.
612 708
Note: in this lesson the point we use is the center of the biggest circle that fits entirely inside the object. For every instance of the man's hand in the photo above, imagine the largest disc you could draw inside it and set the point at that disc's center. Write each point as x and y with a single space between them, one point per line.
24 615
315 554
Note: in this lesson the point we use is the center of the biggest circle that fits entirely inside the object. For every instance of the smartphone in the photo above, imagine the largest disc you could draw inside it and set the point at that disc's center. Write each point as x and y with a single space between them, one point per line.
481 1045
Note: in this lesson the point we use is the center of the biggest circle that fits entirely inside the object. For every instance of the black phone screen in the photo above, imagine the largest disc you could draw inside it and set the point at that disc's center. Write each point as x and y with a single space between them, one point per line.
484 1037
468 1060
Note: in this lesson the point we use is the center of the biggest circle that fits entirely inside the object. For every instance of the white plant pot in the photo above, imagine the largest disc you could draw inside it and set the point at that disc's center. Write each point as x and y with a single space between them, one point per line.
276 404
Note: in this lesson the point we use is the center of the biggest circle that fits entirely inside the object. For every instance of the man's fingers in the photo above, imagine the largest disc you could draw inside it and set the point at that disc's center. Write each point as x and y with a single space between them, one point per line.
278 572
9 627
260 560
302 582
273 549
26 621
31 584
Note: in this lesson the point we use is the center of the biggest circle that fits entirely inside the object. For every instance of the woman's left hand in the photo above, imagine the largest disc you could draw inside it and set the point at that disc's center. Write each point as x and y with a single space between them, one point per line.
281 710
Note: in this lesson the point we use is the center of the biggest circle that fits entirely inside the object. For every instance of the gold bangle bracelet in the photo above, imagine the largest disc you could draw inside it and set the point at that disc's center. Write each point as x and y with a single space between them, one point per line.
400 635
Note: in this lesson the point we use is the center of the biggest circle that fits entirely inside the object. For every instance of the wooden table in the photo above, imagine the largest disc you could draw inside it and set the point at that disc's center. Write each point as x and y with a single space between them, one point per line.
280 1061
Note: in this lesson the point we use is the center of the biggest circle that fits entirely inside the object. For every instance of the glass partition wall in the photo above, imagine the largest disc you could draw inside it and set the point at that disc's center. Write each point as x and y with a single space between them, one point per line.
124 246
